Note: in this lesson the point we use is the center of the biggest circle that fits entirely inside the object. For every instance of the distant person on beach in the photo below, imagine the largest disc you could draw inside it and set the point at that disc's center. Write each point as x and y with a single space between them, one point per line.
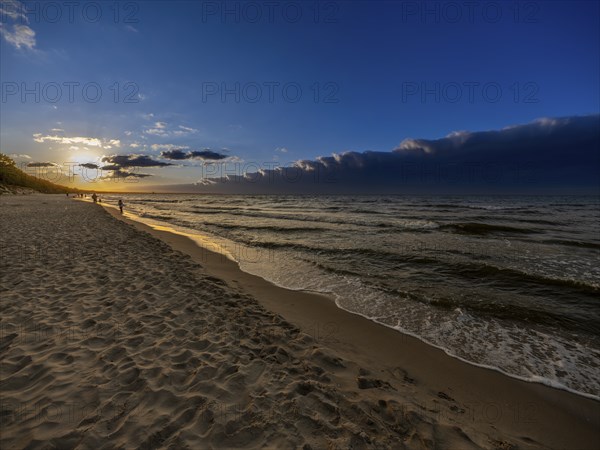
94 197
121 205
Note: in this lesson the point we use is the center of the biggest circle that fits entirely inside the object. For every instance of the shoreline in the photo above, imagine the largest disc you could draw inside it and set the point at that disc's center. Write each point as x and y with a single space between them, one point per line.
504 402
210 247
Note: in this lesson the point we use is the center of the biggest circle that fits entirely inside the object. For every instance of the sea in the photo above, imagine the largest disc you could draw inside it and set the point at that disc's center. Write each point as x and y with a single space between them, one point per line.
508 283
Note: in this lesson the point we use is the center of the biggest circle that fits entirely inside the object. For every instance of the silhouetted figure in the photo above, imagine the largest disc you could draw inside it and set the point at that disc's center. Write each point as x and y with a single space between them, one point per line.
121 206
94 197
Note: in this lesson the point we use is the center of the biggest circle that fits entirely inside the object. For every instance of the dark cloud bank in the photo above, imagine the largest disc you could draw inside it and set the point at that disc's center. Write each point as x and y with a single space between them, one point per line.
121 161
546 156
206 154
118 165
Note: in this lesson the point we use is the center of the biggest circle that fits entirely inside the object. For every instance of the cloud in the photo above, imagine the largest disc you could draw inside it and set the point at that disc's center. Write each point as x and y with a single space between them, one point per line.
117 163
113 143
83 140
22 156
90 166
41 164
206 154
174 154
182 131
156 132
534 140
187 129
167 146
14 10
119 174
281 150
111 167
161 129
132 161
21 36
544 155
133 174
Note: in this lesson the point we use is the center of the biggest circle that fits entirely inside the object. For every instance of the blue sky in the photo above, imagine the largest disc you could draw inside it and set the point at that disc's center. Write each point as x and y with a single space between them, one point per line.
369 63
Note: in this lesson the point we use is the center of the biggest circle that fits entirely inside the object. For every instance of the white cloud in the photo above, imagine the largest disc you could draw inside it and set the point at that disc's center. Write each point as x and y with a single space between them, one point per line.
167 146
188 129
281 149
92 142
549 122
22 156
184 130
13 10
161 129
21 36
156 132
83 140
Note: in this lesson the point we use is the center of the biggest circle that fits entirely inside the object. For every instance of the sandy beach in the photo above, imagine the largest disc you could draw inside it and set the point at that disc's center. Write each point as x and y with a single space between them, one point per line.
117 335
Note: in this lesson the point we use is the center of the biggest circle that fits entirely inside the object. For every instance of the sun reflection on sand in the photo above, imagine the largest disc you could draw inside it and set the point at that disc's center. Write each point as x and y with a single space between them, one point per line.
200 239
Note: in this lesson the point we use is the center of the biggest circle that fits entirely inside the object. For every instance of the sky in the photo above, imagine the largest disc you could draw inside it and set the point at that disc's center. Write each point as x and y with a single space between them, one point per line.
154 95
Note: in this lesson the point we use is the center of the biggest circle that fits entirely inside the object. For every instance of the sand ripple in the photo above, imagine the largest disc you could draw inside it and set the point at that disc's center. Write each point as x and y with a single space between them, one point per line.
110 339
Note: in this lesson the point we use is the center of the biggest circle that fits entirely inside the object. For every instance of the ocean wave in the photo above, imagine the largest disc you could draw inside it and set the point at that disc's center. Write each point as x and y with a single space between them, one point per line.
286 216
478 228
148 200
512 278
581 244
495 207
266 228
155 217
